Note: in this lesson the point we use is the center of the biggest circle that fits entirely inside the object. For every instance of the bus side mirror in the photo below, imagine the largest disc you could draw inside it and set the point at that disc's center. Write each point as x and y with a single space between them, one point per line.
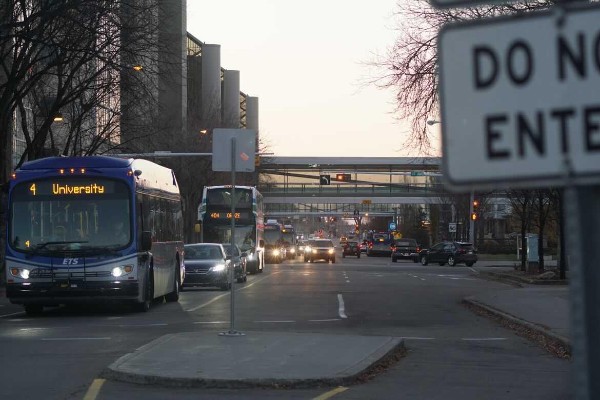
261 243
146 241
197 228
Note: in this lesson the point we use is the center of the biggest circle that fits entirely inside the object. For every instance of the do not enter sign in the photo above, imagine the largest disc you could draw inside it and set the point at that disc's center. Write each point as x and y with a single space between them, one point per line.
519 100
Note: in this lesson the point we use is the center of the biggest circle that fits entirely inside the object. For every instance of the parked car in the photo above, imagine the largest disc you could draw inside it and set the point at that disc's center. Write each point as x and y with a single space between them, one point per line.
449 252
206 264
351 248
405 249
320 249
238 259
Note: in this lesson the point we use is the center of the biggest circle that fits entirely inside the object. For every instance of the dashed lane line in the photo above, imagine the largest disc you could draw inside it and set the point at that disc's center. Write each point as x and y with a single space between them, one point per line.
341 308
331 393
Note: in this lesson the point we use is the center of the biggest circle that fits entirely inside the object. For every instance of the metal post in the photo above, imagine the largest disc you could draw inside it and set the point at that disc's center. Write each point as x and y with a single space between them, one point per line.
471 221
232 331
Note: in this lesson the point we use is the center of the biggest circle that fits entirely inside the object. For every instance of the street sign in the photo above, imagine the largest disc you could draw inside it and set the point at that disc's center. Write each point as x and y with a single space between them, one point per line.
452 227
519 100
245 150
324 179
392 226
417 173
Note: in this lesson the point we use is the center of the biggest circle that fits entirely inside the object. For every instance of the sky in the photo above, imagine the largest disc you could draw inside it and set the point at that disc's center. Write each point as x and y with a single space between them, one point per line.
306 62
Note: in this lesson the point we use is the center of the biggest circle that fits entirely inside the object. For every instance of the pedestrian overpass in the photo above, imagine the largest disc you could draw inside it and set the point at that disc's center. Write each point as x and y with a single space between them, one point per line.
346 186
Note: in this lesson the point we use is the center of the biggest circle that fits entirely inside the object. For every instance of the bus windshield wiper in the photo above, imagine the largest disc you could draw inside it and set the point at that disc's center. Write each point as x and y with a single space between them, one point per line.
40 246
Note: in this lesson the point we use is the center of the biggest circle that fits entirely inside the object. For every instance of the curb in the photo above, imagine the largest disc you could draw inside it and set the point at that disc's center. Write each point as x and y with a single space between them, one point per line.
520 280
379 362
550 339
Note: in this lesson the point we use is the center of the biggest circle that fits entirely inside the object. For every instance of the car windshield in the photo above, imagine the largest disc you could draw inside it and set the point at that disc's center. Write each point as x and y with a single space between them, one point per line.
202 252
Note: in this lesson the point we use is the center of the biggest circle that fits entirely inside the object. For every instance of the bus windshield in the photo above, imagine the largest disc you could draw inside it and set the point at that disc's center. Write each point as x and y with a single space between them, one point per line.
70 214
244 235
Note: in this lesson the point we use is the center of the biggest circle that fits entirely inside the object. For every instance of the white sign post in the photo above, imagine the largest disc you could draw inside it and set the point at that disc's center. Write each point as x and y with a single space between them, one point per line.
233 150
520 107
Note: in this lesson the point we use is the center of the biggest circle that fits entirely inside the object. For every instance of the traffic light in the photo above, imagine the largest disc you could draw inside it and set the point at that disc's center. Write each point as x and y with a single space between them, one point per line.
343 177
475 213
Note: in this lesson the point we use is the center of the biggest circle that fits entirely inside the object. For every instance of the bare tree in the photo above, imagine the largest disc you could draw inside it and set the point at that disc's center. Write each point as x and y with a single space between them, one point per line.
521 202
410 65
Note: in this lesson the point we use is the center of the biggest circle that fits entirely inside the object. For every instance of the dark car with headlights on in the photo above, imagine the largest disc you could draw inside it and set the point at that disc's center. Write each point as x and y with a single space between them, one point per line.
451 253
320 249
405 249
206 264
238 259
351 248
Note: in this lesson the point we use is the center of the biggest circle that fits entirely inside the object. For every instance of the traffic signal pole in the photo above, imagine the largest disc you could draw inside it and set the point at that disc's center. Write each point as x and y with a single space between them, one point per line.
471 220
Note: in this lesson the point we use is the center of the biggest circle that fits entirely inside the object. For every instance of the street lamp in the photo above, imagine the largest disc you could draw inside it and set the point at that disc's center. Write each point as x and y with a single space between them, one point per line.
58 117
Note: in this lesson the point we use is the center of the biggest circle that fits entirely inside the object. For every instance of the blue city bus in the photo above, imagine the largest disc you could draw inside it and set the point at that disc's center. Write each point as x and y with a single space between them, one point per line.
214 214
93 229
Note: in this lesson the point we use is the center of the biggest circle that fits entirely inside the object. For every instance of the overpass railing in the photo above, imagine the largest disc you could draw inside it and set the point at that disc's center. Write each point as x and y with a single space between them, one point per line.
274 189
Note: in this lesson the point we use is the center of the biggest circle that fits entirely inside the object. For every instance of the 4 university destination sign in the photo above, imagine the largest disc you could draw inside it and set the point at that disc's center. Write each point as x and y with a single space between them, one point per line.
520 99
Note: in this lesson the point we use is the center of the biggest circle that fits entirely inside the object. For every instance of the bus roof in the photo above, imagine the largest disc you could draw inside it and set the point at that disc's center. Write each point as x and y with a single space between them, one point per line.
74 162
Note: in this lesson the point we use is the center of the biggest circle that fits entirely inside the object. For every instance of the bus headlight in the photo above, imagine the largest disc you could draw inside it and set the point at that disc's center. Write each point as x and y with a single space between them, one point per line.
121 270
276 252
20 272
292 250
218 268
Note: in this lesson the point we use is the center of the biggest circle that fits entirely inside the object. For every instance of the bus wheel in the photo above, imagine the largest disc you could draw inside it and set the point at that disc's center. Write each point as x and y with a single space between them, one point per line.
34 309
174 295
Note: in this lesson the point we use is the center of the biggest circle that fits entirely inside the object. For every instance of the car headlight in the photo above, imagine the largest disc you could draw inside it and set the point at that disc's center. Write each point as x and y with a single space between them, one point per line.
218 268
121 270
314 251
250 256
20 272
330 251
307 249
276 252
292 250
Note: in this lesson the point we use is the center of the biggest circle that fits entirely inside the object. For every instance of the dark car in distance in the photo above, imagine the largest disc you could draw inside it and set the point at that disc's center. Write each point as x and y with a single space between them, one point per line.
320 249
206 264
405 249
351 248
451 253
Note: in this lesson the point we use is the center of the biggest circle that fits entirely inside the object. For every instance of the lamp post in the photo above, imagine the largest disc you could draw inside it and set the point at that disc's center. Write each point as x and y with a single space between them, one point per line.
431 122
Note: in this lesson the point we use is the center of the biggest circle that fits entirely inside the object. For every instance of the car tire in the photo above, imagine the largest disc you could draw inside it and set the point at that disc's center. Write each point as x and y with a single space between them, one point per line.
424 260
358 255
470 264
451 261
333 260
394 259
416 260
226 287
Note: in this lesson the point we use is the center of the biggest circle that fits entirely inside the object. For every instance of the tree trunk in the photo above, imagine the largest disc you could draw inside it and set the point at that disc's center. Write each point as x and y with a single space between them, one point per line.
541 224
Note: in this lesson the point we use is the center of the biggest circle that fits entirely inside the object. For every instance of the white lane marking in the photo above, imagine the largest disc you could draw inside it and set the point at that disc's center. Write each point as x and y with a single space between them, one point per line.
347 281
483 339
324 320
417 338
10 315
140 325
76 338
211 322
274 322
226 294
341 310
474 270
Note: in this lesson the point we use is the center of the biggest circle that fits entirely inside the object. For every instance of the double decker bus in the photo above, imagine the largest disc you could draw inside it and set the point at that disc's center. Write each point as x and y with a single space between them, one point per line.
215 216
93 229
